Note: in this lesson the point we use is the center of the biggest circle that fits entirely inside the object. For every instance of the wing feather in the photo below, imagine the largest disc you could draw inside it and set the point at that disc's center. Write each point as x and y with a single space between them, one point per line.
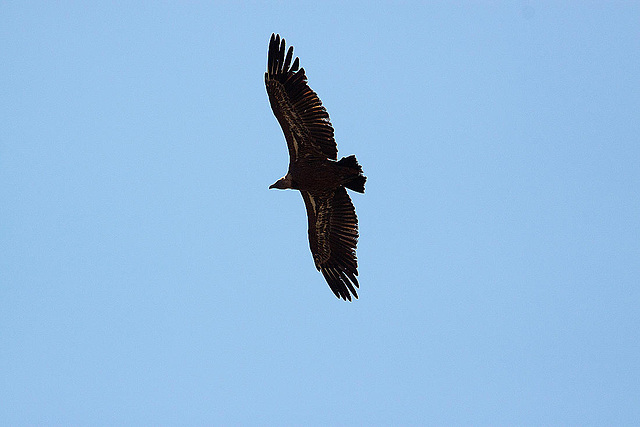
304 120
333 236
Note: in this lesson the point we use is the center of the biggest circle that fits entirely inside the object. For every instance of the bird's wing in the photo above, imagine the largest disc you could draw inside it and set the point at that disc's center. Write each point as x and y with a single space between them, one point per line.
333 235
304 121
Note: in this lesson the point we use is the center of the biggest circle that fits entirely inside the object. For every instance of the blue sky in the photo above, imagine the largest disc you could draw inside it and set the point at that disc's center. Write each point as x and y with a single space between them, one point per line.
148 276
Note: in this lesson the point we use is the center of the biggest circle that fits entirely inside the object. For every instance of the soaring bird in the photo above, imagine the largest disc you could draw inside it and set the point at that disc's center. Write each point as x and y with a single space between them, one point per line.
315 171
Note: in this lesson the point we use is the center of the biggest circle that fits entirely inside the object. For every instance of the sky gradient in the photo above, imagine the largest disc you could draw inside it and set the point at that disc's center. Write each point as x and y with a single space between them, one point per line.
149 277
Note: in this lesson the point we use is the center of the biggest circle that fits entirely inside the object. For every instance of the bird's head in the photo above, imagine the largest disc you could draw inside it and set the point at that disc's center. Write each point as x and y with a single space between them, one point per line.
283 183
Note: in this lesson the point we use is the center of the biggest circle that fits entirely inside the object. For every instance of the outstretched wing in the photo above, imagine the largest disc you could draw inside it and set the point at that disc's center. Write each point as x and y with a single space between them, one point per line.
333 235
304 121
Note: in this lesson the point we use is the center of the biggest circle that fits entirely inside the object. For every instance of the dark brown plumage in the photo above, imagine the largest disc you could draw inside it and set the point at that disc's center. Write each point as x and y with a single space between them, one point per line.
315 171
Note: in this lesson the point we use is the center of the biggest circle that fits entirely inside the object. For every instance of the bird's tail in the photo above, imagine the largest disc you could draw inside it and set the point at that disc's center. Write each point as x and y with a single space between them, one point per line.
356 183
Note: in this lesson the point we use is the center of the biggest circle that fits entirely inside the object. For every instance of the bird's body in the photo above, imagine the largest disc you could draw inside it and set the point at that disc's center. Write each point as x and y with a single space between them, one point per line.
319 174
315 171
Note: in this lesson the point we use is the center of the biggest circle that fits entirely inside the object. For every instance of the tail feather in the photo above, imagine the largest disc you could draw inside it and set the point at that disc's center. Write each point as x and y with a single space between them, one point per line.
357 182
350 162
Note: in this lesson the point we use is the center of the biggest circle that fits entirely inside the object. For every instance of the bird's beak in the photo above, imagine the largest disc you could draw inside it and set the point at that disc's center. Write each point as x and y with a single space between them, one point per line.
279 184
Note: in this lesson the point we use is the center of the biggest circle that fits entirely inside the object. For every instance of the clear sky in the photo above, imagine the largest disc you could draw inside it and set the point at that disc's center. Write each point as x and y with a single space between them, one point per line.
148 276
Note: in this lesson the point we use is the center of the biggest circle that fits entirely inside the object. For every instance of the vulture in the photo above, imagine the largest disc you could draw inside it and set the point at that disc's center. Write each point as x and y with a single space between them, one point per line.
315 171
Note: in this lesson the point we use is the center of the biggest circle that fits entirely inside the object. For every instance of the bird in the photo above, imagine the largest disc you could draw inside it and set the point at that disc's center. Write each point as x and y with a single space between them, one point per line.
315 171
